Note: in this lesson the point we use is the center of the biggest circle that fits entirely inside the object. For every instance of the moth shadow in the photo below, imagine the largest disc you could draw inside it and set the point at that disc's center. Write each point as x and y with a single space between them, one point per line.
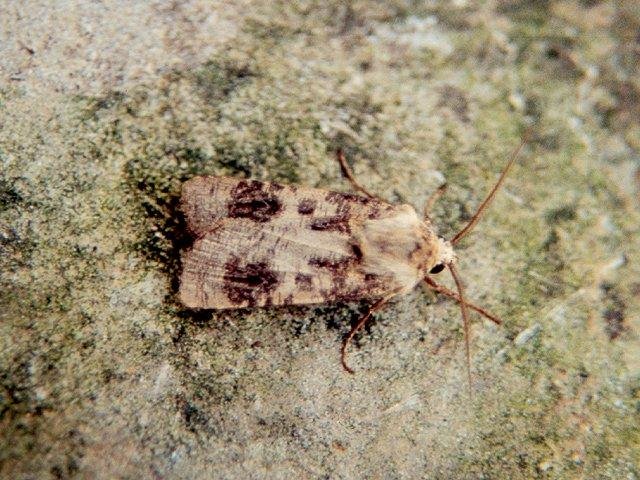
165 235
336 317
164 239
294 321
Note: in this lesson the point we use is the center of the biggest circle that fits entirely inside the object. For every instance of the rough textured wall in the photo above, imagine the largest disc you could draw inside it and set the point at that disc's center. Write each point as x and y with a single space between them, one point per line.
106 108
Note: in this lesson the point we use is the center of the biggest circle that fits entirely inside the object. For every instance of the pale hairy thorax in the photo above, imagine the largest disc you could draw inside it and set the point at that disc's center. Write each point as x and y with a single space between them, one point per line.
404 246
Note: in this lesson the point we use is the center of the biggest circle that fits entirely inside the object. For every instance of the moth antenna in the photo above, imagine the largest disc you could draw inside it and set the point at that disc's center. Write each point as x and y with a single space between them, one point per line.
436 287
465 321
476 216
374 308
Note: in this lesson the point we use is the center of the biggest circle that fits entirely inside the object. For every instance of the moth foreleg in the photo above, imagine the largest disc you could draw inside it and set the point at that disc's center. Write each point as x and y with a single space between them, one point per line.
346 171
436 287
374 308
433 198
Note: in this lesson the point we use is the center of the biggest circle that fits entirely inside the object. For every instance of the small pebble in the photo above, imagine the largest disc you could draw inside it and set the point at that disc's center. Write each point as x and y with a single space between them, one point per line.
545 466
528 334
616 262
502 356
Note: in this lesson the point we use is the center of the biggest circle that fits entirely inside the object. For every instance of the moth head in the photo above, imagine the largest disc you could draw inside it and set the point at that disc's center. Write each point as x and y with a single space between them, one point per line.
445 256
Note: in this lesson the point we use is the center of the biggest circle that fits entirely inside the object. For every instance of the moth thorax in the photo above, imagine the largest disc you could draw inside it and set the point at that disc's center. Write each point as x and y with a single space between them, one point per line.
445 254
399 246
429 249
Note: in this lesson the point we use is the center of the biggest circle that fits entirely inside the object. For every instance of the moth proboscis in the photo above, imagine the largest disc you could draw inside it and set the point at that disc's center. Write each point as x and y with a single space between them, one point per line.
261 244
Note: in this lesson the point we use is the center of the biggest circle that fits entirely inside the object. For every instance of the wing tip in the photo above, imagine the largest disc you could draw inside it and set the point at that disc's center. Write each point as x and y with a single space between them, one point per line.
192 295
188 293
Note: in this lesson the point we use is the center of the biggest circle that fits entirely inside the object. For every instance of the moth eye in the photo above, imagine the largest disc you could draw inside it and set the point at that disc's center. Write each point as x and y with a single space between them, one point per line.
437 269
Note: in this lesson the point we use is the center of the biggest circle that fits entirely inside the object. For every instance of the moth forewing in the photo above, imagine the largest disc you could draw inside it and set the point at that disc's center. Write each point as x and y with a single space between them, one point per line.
260 244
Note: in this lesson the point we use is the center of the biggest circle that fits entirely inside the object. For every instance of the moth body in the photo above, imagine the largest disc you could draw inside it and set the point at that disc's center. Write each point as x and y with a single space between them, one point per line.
260 244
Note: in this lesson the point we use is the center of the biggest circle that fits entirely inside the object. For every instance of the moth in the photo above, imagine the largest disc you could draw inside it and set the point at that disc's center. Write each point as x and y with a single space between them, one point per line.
259 244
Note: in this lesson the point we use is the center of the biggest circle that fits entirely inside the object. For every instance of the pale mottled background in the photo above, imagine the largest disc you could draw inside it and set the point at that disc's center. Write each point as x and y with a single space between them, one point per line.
106 107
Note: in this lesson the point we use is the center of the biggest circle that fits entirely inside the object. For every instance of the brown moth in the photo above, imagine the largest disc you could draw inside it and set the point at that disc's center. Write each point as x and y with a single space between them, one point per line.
261 244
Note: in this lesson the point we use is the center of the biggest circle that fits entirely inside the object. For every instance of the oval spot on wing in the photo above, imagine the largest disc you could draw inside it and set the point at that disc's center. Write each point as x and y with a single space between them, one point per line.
306 206
336 223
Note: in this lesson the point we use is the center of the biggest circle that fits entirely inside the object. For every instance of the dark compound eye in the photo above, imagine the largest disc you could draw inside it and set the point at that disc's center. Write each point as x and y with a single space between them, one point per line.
437 269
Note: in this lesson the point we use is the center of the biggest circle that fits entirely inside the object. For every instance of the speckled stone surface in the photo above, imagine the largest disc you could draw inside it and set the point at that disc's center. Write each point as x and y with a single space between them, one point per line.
107 107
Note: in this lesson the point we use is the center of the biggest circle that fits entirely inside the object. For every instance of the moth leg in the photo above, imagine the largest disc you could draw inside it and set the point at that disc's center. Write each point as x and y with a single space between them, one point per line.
450 293
433 198
346 171
374 308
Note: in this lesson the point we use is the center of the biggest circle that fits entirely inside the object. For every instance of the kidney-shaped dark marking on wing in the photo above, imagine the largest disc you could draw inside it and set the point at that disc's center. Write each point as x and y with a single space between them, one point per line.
254 200
250 283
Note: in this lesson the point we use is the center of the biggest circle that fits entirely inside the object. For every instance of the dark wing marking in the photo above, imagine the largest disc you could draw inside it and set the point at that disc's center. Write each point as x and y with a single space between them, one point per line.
207 200
261 243
243 263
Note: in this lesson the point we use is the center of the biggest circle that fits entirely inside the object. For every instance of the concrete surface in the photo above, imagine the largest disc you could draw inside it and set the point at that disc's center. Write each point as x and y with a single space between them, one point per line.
107 107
